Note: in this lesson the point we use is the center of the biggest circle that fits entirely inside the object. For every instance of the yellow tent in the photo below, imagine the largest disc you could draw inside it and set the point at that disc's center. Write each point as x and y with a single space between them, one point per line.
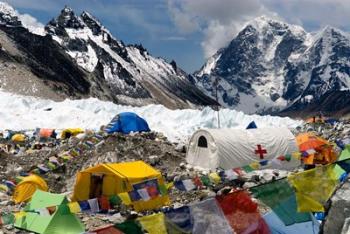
115 178
18 137
71 132
26 188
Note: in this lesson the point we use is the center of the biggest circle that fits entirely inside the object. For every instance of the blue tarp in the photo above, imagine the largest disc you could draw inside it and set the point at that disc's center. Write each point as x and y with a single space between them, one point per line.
277 226
127 122
252 125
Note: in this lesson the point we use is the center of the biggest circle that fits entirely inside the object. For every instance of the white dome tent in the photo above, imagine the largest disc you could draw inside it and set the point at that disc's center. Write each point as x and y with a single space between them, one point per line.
232 148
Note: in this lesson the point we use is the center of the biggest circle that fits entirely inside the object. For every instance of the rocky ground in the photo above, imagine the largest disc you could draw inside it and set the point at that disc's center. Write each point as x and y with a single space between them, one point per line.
167 157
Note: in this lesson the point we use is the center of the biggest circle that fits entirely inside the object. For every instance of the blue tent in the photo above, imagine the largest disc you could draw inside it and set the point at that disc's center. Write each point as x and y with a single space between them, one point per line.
127 122
251 125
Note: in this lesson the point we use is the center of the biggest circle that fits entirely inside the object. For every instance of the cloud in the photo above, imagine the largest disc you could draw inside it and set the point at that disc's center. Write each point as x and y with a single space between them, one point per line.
313 14
218 21
174 38
32 24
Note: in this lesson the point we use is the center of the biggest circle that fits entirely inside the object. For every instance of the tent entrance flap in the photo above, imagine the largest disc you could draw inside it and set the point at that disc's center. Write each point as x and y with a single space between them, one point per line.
202 142
96 182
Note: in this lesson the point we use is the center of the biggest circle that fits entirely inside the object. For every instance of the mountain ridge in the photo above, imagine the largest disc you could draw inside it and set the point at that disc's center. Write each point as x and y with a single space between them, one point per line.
78 57
272 66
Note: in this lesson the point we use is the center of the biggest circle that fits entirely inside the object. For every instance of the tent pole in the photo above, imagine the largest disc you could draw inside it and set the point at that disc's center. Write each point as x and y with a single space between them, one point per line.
216 97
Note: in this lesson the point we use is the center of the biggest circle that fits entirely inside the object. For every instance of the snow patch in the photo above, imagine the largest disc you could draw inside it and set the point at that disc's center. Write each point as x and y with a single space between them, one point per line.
23 112
87 60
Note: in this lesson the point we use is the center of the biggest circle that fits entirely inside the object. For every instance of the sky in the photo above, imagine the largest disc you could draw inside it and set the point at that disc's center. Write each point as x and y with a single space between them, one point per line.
188 31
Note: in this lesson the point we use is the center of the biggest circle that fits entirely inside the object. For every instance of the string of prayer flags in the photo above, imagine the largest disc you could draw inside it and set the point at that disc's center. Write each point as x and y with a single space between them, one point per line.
280 197
314 187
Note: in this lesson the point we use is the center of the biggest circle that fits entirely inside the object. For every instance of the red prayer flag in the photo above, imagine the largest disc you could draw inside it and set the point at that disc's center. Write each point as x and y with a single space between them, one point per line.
242 213
197 181
51 209
104 203
152 191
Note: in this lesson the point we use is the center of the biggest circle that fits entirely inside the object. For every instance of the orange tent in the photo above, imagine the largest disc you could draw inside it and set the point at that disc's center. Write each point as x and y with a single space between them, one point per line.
319 150
315 119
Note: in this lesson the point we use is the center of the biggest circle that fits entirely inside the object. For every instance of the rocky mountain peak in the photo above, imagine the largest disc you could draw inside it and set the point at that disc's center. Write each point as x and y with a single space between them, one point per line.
93 23
8 15
66 19
271 65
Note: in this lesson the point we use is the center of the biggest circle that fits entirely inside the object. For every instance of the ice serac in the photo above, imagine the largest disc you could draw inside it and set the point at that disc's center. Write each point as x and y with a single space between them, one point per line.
78 57
271 66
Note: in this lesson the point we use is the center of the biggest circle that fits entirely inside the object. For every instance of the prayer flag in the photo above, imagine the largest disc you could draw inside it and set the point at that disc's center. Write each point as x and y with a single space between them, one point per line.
84 205
94 207
314 187
280 197
214 178
129 227
153 224
125 198
242 213
189 185
181 217
114 200
209 218
74 207
144 194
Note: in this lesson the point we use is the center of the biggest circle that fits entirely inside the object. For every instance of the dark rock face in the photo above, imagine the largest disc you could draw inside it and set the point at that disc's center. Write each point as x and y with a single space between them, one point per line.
78 57
271 66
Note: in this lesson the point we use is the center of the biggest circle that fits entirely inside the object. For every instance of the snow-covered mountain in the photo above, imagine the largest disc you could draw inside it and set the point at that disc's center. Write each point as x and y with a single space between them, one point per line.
271 66
76 56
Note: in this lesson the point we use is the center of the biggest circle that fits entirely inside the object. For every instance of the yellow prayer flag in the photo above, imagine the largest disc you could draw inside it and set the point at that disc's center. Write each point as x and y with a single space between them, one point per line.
169 185
125 198
255 165
20 214
154 224
314 187
74 207
214 178
296 155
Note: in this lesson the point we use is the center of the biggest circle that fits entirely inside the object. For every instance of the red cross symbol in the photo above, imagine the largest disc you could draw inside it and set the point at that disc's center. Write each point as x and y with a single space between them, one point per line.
260 151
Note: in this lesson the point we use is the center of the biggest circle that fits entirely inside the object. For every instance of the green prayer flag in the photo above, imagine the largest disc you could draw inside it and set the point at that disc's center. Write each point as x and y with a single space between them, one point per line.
288 157
115 200
129 227
163 189
280 196
7 218
247 169
205 180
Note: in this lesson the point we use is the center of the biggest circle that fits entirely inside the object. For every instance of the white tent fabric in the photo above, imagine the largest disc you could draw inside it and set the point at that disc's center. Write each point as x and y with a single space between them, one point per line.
231 148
